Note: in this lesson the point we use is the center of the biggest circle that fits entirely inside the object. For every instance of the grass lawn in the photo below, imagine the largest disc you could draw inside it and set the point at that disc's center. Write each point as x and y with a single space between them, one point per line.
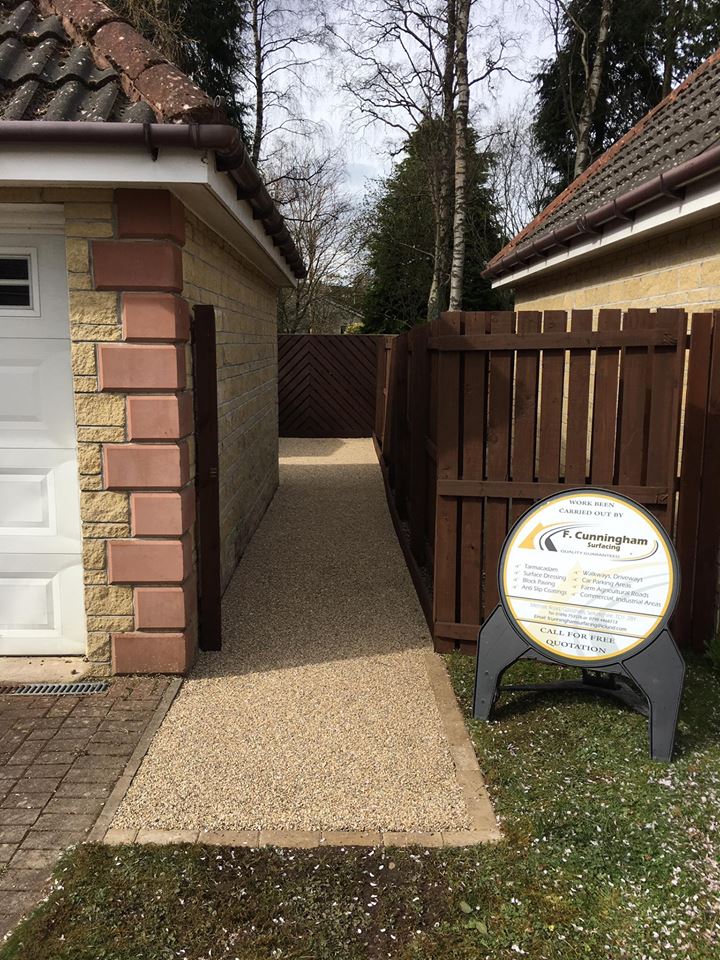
607 855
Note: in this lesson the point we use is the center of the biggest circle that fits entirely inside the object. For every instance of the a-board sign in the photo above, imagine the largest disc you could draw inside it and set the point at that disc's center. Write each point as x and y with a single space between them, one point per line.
588 576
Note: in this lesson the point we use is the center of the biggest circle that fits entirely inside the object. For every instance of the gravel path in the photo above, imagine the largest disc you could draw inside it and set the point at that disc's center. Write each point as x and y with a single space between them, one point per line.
318 713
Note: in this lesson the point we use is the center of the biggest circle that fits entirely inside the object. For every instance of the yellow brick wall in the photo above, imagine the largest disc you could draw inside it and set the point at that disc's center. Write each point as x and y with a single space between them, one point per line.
94 318
679 269
246 322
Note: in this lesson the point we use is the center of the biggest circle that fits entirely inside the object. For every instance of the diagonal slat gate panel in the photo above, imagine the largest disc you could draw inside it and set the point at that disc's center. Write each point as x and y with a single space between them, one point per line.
327 385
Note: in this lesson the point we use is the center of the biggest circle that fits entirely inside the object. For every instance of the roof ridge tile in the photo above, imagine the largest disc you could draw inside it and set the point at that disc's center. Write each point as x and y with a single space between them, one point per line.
144 72
81 17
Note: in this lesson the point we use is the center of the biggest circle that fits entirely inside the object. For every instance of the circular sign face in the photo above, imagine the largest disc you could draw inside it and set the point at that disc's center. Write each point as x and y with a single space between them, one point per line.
588 575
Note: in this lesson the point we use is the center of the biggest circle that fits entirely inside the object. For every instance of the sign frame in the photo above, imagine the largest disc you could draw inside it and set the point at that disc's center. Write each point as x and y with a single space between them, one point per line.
654 665
591 663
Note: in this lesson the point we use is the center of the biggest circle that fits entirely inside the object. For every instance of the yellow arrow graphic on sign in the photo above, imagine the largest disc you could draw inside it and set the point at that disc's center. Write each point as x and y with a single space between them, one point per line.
529 541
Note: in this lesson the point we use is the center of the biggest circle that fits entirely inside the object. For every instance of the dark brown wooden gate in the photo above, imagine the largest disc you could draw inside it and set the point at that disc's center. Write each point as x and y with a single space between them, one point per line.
481 414
326 385
207 484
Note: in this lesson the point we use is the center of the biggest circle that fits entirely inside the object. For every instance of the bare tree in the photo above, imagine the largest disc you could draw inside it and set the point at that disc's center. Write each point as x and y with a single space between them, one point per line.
593 71
521 180
673 27
462 113
559 14
400 72
283 39
409 67
441 185
320 214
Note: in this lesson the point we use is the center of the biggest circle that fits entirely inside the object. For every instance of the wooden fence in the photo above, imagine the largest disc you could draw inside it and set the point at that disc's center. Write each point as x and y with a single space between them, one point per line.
478 415
326 385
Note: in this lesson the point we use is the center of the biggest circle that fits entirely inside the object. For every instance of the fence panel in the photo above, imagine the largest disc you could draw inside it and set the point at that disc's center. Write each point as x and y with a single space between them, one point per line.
529 406
698 525
327 385
404 437
485 413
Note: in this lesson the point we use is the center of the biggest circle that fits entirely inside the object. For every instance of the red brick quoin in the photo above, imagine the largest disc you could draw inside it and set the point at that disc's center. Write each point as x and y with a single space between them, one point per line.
145 266
137 265
155 316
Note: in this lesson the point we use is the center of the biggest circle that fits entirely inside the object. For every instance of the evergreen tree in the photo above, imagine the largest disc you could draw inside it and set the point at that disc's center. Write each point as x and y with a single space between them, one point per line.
400 231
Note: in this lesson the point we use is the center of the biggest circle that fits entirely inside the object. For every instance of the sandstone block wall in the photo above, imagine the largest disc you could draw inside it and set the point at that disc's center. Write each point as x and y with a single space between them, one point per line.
679 269
246 322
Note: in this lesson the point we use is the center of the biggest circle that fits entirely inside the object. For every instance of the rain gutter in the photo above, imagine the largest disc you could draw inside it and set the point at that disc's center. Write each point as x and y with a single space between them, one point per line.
670 183
230 156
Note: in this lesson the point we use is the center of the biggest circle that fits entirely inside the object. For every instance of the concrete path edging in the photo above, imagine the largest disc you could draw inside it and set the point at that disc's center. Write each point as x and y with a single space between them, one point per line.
103 822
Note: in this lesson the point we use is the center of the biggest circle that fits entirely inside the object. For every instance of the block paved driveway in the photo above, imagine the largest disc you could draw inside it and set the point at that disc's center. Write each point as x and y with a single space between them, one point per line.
60 757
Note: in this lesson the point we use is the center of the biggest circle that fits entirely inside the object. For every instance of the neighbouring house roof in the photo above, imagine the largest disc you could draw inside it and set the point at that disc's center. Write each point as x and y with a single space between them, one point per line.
670 146
64 63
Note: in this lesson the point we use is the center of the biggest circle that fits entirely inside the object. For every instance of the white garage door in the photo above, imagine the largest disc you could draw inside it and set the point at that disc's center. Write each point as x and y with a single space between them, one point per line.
41 582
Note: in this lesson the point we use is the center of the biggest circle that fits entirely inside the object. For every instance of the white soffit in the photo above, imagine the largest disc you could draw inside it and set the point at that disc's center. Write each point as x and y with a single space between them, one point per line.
699 203
190 174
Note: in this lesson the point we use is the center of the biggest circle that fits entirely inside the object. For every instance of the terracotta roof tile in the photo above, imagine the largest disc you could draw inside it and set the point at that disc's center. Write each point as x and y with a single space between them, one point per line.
126 49
84 15
78 60
44 76
175 98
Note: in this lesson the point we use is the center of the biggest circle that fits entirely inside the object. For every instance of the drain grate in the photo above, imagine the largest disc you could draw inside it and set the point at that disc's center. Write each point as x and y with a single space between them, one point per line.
79 689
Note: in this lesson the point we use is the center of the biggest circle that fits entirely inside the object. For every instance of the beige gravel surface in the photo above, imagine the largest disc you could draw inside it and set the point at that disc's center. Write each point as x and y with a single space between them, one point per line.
318 713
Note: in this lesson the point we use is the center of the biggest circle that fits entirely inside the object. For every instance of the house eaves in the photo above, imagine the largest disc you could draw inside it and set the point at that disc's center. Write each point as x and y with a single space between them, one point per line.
655 162
74 72
684 194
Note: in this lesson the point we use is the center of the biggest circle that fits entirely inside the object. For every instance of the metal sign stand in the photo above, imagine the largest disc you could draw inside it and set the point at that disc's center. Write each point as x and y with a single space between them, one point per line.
657 670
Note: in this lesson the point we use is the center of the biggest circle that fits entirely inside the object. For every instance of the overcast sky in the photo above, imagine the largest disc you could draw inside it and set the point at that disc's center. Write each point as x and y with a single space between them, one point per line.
368 149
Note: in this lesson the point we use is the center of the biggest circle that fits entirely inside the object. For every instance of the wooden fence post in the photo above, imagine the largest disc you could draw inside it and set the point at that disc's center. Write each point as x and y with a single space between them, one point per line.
448 468
696 400
708 536
207 483
400 426
474 411
418 417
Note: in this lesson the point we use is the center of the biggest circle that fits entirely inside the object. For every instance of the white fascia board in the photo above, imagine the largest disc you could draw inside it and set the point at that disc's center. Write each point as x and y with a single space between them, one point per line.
58 165
698 204
224 213
190 174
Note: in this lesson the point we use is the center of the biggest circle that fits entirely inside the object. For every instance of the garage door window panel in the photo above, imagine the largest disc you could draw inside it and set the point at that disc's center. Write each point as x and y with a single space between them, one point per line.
19 289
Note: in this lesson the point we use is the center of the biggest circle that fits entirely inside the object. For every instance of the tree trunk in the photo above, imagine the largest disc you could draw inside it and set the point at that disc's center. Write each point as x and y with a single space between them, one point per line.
438 288
462 110
673 25
434 298
592 90
259 90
